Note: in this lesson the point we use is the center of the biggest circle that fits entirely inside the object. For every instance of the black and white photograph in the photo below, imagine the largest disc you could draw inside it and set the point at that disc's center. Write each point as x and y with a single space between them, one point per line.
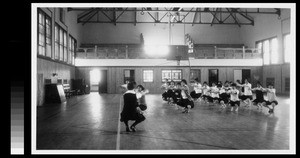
163 78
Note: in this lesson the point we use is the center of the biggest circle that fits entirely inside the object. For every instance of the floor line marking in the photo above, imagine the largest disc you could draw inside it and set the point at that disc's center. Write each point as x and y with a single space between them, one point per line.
119 126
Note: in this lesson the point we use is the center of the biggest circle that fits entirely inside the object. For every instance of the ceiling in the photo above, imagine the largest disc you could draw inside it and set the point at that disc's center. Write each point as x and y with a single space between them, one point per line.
171 15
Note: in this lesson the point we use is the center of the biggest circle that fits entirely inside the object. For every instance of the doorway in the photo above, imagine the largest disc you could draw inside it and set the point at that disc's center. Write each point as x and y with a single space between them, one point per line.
213 76
98 81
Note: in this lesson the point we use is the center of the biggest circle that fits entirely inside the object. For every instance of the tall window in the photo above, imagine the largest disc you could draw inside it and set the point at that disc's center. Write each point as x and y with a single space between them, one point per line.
44 34
266 52
72 47
274 51
129 75
61 45
287 48
175 75
56 49
269 48
65 47
148 75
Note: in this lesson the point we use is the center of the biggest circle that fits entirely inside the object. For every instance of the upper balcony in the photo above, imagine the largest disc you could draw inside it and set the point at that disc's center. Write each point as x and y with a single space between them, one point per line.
89 51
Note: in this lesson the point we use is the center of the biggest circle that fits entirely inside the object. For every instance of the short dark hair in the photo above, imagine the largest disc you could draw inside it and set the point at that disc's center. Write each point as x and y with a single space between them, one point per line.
196 79
141 87
233 85
219 85
130 86
184 81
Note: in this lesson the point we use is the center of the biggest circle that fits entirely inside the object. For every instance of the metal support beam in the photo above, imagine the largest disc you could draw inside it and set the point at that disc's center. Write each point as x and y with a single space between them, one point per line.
193 11
235 19
87 12
246 16
214 17
128 22
135 14
186 15
96 12
114 17
106 15
195 17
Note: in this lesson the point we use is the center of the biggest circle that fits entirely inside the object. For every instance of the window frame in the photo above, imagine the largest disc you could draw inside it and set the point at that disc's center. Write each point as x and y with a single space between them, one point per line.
270 50
46 47
144 76
284 47
177 80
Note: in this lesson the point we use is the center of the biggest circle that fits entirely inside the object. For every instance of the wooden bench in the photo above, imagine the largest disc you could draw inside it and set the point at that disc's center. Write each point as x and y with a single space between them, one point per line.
68 91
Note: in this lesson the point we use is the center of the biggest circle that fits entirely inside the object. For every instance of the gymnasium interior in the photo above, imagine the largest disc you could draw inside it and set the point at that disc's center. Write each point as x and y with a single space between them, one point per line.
83 53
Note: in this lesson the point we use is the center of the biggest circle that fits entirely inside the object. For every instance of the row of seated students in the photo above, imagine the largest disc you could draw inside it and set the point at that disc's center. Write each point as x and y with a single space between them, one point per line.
224 95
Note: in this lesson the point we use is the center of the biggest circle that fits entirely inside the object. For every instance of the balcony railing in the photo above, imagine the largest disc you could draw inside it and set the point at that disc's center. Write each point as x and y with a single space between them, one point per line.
125 52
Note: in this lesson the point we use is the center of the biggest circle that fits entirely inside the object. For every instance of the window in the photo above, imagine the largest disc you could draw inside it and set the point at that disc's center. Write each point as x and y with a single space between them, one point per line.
195 74
60 44
269 48
287 48
72 48
266 52
128 75
274 51
174 75
65 47
56 51
287 84
147 75
44 34
259 47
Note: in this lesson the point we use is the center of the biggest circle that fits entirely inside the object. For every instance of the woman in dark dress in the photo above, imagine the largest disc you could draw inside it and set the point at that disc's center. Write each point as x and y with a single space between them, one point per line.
131 111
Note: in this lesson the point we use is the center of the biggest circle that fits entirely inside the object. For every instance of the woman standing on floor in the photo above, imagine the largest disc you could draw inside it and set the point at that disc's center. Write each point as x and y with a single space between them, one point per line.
131 110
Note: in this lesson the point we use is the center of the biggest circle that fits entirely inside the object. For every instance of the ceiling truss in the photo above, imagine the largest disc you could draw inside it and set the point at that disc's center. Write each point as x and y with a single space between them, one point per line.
219 16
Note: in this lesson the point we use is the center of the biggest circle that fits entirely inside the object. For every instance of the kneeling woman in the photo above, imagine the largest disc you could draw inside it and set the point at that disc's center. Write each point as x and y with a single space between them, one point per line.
131 111
186 100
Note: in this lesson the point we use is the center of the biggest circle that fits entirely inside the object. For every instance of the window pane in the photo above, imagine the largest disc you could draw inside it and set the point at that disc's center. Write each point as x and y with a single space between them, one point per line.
61 50
48 50
166 74
65 54
266 52
148 75
287 47
176 75
259 47
274 51
56 50
61 35
56 34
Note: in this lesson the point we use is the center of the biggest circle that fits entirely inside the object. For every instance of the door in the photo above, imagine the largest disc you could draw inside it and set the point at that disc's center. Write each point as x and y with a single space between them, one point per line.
103 81
246 74
213 76
237 75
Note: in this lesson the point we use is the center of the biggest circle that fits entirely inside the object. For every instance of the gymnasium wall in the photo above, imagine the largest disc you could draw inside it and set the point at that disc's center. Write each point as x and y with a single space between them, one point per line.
47 66
267 26
280 73
115 75
159 33
45 69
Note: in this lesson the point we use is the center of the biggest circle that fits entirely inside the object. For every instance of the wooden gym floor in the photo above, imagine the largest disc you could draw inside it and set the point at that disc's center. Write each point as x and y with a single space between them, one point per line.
91 122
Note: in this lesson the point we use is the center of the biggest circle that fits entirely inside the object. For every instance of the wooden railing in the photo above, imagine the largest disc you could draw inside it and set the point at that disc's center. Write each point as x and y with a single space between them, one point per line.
125 52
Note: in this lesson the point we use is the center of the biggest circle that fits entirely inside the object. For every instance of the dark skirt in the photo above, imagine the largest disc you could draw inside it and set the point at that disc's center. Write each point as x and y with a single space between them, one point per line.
132 116
185 103
233 103
244 97
195 95
269 103
164 96
224 98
